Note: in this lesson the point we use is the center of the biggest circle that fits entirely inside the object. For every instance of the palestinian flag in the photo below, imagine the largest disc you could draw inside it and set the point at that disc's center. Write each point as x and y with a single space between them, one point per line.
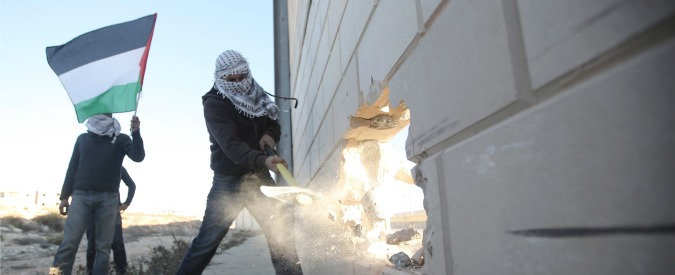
103 70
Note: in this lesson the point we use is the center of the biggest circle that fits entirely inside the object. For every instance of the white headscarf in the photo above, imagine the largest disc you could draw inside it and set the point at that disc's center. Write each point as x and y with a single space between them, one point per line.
104 125
247 96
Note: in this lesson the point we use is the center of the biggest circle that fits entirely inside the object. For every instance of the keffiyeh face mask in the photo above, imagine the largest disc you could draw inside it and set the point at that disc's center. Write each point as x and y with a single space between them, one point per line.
104 125
234 81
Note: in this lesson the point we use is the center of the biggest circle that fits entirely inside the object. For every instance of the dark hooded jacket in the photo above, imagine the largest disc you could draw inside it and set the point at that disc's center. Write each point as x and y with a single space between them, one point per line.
234 136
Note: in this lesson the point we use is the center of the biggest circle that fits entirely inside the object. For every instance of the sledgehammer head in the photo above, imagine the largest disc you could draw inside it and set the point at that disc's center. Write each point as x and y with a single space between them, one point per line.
304 199
291 194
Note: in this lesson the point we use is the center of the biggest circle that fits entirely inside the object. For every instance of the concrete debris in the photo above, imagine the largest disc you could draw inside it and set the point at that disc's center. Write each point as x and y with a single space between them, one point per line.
402 235
400 260
418 257
357 230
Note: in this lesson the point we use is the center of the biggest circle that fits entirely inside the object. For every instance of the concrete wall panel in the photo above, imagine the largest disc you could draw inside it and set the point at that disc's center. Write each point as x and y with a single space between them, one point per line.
322 16
428 7
335 11
297 18
390 31
595 159
352 25
325 137
459 73
331 78
436 239
314 159
345 102
313 35
338 119
322 54
562 35
303 74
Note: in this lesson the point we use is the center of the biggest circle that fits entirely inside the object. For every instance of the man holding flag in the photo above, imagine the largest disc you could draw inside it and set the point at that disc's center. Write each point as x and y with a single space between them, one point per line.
102 71
93 180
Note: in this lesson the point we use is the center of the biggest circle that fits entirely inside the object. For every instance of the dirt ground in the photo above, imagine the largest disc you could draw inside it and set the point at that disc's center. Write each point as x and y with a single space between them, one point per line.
27 252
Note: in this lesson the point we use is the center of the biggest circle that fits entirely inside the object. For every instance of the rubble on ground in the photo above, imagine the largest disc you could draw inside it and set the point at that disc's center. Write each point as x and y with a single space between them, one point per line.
400 260
402 235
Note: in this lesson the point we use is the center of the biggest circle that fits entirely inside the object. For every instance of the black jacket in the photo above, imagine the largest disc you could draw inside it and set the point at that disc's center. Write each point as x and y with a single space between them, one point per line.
131 186
234 137
96 162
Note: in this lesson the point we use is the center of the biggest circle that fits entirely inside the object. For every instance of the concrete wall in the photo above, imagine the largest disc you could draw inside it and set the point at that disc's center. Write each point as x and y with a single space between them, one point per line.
543 130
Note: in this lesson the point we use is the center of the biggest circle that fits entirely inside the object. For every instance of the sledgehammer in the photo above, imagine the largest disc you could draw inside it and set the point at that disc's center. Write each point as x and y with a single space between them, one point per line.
291 194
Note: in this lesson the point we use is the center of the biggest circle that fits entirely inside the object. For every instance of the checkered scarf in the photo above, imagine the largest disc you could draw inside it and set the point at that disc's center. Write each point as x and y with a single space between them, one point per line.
247 96
103 125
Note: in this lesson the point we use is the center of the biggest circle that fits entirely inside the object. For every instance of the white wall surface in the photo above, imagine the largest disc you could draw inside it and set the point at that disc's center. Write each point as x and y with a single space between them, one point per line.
525 114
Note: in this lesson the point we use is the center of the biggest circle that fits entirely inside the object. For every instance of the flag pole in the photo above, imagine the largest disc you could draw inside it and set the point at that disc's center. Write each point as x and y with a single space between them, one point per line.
138 99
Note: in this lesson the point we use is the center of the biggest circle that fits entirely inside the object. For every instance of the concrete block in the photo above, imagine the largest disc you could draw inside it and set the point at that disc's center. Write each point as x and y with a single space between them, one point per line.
346 39
593 162
313 88
325 136
435 238
306 100
349 84
562 35
361 11
459 73
304 73
428 7
391 29
353 23
307 136
322 54
314 159
331 78
297 154
313 34
299 92
322 11
340 123
317 113
297 19
334 17
345 103
338 49
300 128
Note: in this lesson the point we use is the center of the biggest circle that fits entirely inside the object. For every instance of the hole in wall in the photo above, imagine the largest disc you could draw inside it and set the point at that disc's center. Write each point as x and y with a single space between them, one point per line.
378 200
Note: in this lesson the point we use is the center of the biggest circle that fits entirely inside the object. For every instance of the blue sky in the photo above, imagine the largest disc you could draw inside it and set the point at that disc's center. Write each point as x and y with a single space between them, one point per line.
37 120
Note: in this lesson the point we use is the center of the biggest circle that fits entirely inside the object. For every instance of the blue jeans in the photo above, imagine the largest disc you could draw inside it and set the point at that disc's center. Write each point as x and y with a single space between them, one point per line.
228 196
87 205
119 253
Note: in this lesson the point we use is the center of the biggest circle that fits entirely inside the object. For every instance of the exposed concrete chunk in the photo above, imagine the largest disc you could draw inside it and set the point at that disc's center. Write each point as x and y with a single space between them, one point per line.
377 120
